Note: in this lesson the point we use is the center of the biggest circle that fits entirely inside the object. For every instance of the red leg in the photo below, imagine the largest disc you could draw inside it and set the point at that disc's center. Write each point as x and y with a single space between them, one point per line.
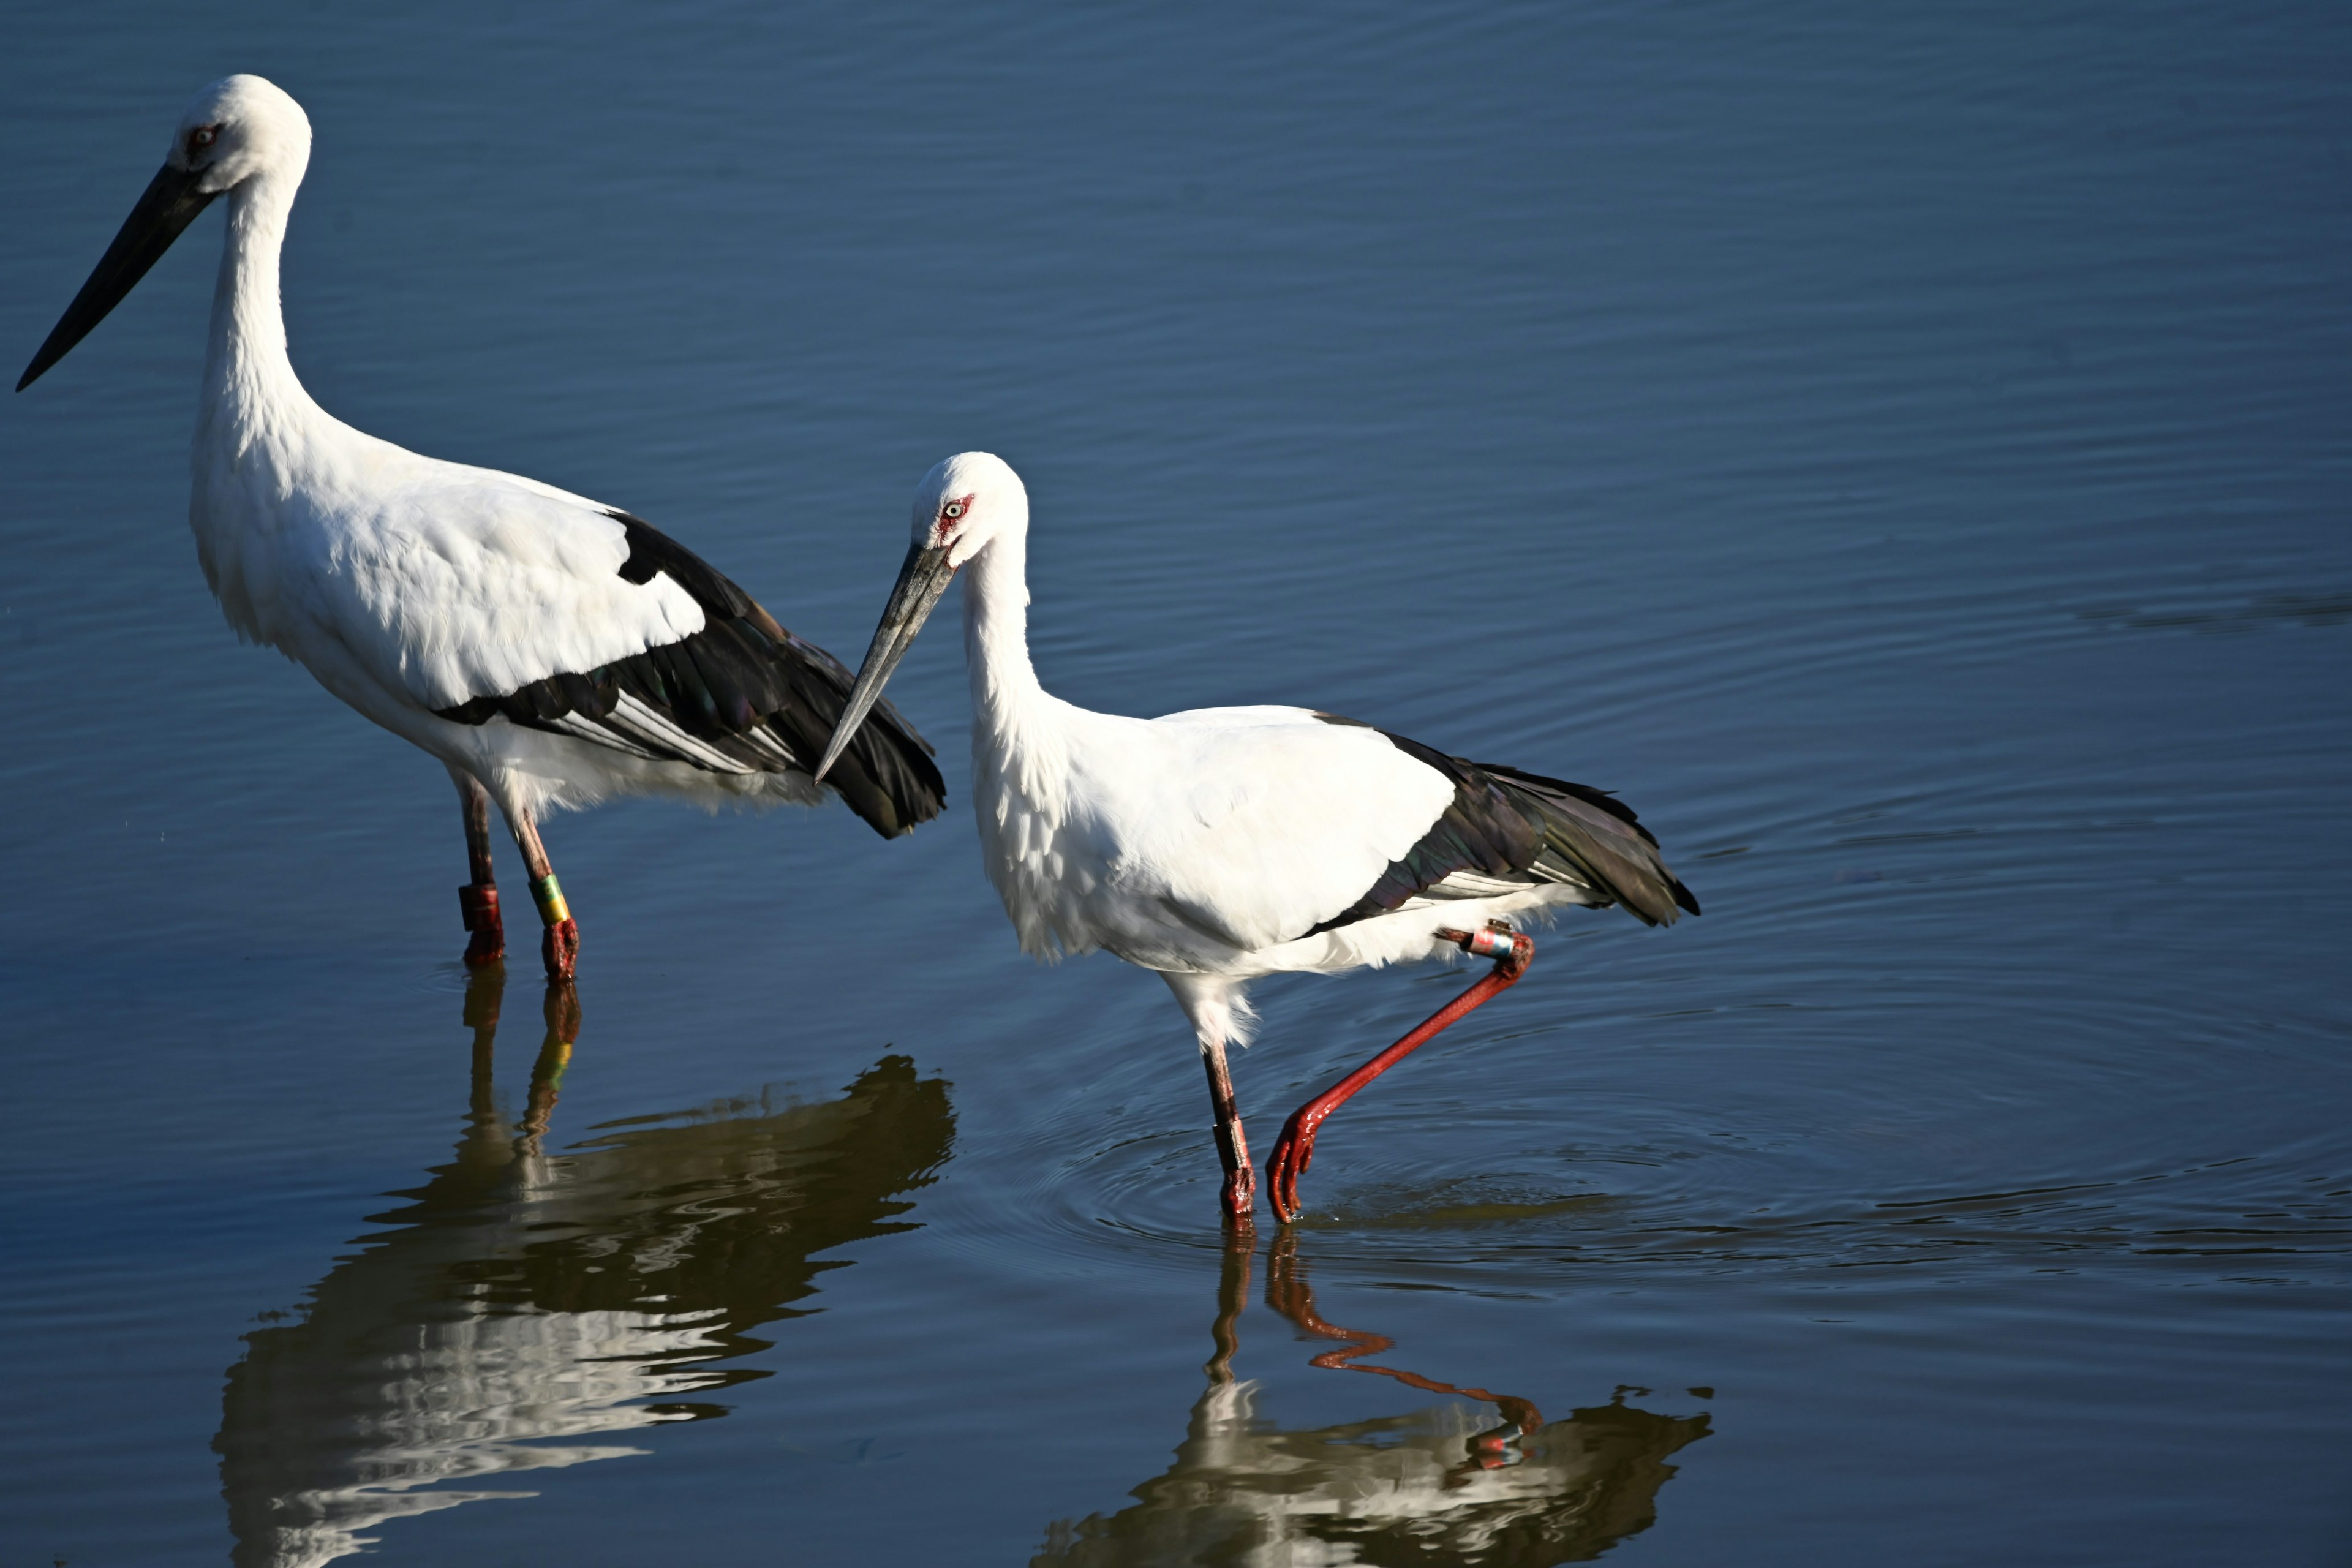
1295 1149
1240 1194
478 901
560 947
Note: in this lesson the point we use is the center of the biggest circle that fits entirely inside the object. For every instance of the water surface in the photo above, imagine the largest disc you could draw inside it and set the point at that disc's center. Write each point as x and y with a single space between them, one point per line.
1905 456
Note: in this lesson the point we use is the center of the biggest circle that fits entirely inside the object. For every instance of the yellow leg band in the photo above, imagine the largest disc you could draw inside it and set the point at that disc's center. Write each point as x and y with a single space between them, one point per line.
552 909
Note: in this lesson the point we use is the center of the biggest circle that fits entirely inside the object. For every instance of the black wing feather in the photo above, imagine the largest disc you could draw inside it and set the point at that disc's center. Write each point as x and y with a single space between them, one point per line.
1513 825
742 673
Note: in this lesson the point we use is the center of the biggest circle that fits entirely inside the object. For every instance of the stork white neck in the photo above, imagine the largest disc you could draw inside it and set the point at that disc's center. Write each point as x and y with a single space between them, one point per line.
1023 740
260 439
1007 702
250 387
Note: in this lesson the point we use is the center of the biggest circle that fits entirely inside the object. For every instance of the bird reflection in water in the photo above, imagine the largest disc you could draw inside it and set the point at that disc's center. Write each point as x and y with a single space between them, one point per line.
525 1296
1444 1485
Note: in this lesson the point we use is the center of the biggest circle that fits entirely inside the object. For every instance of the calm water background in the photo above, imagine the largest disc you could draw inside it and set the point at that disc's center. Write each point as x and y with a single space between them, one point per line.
1905 454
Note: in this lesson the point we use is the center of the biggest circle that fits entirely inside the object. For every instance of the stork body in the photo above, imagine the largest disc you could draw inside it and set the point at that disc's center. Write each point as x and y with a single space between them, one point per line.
1224 844
550 650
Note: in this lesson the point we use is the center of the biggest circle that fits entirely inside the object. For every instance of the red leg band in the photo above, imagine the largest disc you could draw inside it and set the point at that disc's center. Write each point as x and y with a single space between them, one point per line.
479 902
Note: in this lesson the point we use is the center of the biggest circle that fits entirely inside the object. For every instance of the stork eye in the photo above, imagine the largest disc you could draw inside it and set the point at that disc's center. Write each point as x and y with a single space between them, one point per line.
953 511
202 136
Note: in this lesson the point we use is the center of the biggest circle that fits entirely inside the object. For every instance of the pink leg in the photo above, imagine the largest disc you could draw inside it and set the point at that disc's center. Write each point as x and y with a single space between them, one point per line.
560 947
478 901
1240 1194
1295 1149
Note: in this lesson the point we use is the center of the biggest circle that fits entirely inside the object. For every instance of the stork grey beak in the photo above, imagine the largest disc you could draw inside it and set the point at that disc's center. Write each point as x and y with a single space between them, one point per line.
169 204
921 580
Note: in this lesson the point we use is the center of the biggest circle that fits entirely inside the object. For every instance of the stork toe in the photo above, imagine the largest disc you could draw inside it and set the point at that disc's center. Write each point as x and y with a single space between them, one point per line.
1294 1151
1240 1195
560 948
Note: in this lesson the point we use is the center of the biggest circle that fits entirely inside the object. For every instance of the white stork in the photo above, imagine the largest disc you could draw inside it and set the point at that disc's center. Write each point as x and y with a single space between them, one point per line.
1223 844
550 650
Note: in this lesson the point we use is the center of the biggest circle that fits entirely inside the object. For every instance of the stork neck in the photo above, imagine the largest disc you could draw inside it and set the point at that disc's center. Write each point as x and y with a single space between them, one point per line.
1004 689
248 376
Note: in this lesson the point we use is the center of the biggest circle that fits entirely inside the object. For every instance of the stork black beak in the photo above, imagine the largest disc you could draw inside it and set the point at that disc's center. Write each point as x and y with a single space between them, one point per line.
921 580
169 204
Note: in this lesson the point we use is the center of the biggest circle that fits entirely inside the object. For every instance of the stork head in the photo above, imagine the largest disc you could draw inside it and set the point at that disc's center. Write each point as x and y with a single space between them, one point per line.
964 502
239 128
962 506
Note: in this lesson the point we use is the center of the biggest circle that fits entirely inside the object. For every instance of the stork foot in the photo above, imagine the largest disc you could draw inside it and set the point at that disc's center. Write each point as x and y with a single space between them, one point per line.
1239 1198
479 902
560 948
1294 1151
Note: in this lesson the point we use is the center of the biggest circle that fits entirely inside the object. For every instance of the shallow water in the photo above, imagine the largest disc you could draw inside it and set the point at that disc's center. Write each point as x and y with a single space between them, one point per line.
1906 457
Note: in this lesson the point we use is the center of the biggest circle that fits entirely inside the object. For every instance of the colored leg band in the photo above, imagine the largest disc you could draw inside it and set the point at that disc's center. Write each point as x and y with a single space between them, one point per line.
552 909
1490 944
480 905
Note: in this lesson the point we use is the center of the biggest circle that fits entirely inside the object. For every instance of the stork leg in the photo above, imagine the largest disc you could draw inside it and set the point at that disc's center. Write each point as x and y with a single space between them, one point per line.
1294 1151
478 901
560 947
1240 1194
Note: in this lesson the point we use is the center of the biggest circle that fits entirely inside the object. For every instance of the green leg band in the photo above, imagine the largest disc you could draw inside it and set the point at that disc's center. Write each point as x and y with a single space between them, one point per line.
552 909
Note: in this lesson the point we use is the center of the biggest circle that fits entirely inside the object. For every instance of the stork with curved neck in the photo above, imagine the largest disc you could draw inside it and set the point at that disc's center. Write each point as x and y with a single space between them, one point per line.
1223 844
1005 694
550 651
245 366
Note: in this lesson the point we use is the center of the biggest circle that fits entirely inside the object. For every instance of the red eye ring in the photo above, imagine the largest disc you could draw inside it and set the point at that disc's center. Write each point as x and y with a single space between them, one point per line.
202 136
953 511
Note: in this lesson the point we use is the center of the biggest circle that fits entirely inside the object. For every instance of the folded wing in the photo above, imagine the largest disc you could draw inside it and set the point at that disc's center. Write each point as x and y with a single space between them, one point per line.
1505 829
525 604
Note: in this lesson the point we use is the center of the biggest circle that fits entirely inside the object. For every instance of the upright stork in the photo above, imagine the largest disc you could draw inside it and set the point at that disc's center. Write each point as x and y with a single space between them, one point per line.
550 651
1223 844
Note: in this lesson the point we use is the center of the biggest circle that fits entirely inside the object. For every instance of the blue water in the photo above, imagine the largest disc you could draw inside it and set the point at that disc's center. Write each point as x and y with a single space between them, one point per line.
1905 454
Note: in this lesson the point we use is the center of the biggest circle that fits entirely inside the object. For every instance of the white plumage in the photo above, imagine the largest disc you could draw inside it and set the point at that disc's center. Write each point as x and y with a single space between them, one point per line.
550 650
1223 844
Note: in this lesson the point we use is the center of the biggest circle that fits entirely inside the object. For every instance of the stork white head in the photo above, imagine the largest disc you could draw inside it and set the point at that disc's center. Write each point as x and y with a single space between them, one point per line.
965 502
962 506
239 129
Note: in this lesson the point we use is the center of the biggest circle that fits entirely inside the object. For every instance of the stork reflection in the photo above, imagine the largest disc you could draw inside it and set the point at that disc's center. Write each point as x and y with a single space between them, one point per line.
1446 1484
524 1295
